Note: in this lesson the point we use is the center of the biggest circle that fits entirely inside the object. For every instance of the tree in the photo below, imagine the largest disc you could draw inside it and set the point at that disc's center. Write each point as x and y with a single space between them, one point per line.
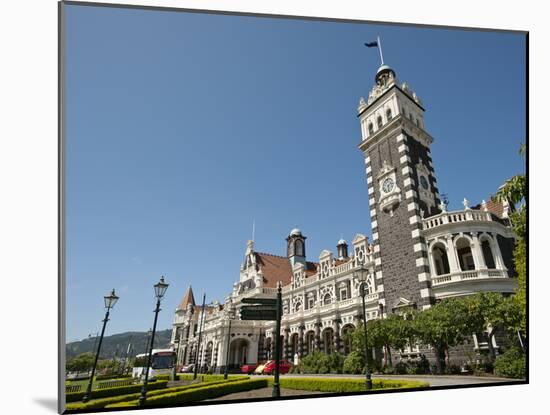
514 191
393 332
445 325
80 363
498 312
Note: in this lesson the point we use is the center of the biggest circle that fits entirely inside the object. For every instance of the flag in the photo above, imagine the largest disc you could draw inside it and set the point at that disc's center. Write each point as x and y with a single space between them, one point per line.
371 44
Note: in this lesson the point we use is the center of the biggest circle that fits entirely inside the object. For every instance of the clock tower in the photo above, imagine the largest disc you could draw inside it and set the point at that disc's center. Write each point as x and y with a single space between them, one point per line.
402 189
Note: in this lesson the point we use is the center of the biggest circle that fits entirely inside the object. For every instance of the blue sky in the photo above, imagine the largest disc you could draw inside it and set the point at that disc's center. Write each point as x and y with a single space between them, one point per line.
182 128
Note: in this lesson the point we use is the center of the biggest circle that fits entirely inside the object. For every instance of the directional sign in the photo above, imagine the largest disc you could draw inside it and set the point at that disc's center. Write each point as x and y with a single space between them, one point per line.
260 313
264 301
259 307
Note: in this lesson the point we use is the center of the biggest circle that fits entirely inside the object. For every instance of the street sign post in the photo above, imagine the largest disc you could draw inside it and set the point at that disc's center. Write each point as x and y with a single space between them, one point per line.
267 309
276 387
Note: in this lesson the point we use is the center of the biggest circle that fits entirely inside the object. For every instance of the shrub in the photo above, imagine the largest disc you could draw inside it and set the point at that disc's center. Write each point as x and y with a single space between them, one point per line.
346 385
400 368
318 362
124 399
511 364
453 370
111 376
121 390
354 363
199 393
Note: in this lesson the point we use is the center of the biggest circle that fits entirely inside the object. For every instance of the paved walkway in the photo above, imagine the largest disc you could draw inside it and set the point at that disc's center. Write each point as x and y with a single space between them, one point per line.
264 393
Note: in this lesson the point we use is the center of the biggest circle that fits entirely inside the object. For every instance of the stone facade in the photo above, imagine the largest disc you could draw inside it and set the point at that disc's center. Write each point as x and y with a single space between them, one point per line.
420 253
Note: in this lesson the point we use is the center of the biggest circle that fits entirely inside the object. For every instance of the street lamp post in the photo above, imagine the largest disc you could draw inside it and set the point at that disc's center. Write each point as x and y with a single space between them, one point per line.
362 278
177 341
110 301
160 290
231 316
198 351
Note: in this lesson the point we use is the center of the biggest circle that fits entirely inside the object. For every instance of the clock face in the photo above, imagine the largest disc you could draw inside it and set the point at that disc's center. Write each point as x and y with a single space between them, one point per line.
388 184
424 182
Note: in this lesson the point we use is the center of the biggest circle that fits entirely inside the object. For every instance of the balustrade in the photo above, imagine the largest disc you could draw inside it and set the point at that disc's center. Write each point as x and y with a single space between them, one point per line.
456 217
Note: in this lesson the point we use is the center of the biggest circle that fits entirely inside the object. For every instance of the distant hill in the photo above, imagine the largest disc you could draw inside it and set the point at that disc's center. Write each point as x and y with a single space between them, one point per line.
118 344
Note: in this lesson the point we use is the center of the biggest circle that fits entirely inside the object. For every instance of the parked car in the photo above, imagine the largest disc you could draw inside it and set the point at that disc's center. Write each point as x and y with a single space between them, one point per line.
248 369
260 369
187 368
284 367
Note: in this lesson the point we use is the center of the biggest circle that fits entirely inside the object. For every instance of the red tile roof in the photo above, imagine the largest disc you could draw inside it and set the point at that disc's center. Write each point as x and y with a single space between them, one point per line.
493 206
274 268
188 298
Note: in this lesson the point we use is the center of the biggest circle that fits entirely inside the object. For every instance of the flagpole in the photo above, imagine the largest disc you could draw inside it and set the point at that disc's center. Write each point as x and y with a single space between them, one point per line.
380 49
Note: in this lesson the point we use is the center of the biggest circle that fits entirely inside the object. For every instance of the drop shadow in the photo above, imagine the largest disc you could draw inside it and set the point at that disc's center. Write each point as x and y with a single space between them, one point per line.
48 403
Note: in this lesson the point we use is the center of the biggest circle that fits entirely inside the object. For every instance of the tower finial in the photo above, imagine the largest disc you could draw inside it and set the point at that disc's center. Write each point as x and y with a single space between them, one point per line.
378 45
380 50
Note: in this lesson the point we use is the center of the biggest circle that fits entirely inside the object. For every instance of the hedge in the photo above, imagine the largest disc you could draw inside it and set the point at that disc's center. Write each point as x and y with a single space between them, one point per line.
346 385
102 403
199 393
120 390
205 378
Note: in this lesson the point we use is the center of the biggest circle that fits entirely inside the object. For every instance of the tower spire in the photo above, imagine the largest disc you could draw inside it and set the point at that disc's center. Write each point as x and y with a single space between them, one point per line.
380 50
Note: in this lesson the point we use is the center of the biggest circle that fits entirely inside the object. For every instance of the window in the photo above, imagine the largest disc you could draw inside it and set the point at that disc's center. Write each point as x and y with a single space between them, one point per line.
464 253
488 254
299 248
326 299
343 294
379 121
388 114
371 128
298 307
310 302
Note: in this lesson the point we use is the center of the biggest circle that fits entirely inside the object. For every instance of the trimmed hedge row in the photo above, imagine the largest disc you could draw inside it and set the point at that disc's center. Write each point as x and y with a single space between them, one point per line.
120 390
199 394
102 403
346 385
205 378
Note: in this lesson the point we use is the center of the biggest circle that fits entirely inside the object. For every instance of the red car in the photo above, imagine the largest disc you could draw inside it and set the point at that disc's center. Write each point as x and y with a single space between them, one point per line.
248 369
284 367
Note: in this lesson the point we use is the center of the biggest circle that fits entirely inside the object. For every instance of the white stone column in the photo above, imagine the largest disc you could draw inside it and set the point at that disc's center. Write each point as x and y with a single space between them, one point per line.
497 255
451 256
433 269
477 253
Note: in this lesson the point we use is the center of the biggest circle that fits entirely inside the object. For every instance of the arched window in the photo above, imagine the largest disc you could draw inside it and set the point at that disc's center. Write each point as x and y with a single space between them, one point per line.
388 114
371 128
465 256
328 336
326 299
347 333
379 121
298 306
440 259
488 254
299 248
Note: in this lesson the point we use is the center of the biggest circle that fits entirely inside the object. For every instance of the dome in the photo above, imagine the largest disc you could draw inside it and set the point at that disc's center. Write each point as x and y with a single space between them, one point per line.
382 70
342 242
295 232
